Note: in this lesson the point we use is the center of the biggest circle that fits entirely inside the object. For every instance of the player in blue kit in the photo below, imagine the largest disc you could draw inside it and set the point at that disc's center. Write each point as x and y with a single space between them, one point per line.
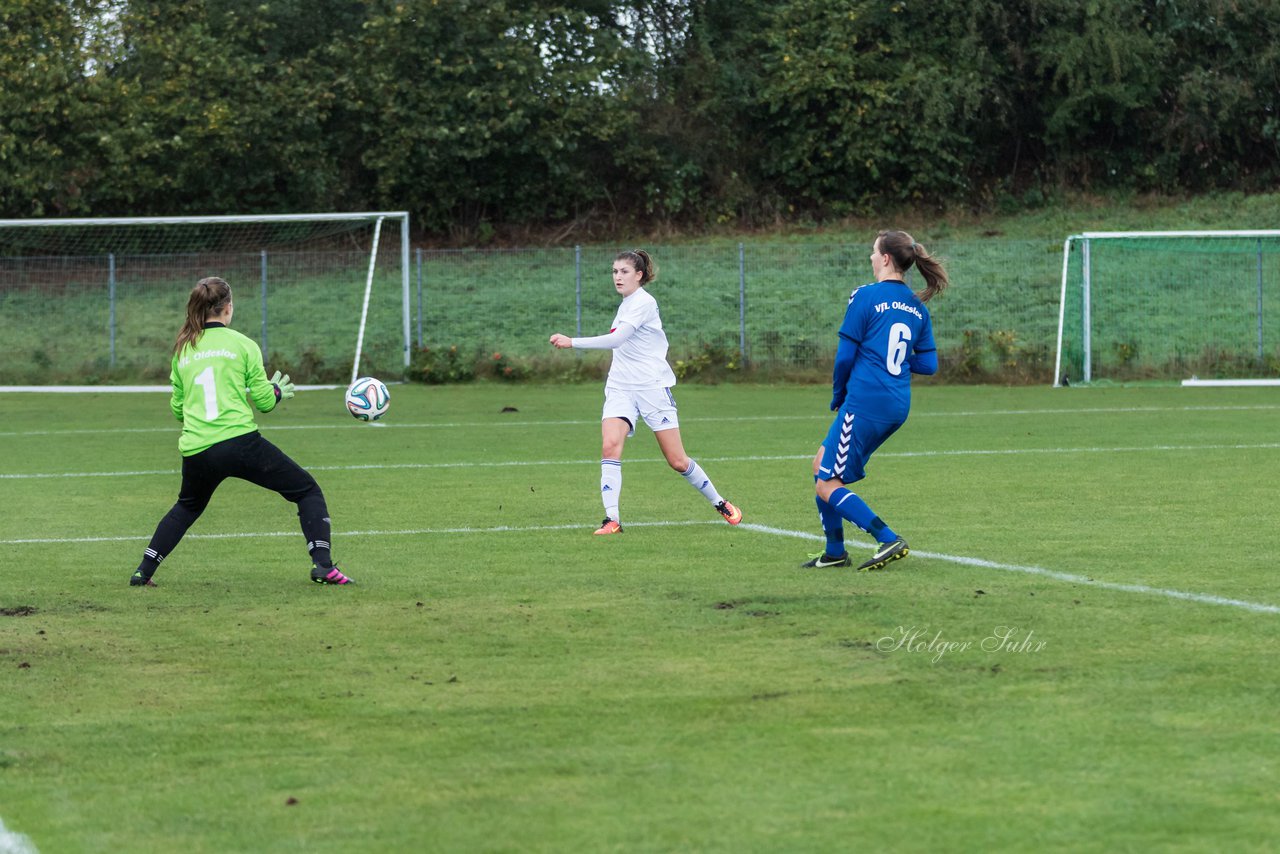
886 337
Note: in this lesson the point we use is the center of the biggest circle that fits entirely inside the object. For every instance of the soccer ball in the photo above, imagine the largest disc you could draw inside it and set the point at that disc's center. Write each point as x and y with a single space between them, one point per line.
368 399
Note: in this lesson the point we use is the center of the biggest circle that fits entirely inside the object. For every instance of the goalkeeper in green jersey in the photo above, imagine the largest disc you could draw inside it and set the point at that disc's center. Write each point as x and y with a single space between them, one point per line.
216 373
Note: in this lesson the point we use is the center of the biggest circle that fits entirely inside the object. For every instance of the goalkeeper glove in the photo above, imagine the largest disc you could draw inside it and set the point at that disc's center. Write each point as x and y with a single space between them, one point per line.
284 388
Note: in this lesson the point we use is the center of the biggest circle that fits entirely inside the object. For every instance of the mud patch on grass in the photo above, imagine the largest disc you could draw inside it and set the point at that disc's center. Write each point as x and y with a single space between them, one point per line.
771 695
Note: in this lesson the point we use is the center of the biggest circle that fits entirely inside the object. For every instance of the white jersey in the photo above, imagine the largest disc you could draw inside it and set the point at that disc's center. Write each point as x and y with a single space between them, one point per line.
640 361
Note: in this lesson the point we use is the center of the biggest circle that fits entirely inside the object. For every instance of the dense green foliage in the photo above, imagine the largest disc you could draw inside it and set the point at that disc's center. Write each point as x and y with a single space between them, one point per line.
508 113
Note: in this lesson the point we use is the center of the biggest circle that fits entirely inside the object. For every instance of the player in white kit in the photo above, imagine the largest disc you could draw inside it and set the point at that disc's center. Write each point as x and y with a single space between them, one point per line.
639 386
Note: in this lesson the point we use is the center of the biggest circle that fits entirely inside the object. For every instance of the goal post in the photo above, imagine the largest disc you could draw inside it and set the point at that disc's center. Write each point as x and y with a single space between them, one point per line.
1169 305
98 301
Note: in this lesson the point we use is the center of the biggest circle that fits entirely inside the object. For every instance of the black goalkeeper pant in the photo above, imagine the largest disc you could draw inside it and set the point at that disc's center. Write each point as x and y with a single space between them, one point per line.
249 457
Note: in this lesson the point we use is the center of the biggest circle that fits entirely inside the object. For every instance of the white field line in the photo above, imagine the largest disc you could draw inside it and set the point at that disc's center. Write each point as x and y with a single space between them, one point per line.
970 452
498 421
1228 383
12 842
1067 577
403 532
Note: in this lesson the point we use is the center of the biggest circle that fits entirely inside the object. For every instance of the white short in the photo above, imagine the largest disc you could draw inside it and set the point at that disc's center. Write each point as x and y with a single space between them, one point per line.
657 406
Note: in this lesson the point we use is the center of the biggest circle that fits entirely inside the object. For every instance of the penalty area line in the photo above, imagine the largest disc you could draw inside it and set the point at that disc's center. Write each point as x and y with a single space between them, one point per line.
750 458
402 532
1068 577
819 418
1041 572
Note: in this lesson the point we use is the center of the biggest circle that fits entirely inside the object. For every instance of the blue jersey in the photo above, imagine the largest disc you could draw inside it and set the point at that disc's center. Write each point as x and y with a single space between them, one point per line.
885 337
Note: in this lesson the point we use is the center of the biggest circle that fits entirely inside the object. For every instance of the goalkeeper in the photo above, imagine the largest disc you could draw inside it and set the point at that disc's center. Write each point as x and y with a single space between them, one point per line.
213 368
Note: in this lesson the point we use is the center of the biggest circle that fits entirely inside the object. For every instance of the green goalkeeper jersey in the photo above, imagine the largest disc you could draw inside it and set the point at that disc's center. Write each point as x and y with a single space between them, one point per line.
213 382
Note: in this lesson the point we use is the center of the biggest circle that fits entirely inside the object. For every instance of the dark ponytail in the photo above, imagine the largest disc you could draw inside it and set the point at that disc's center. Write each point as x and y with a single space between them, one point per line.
642 262
904 250
209 297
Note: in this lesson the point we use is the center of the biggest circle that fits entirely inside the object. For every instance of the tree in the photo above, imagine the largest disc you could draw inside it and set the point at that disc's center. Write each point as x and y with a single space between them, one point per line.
1099 67
1217 120
51 103
210 118
482 112
865 102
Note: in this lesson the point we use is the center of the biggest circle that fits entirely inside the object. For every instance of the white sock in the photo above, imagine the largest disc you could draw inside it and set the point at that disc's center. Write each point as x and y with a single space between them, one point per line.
611 487
698 479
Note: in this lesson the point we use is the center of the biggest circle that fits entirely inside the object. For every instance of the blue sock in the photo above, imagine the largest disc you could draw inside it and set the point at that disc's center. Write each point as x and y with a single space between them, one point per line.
853 508
832 526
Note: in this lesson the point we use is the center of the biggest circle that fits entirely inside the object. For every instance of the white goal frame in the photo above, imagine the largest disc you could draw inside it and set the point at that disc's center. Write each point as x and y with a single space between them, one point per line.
377 218
1085 239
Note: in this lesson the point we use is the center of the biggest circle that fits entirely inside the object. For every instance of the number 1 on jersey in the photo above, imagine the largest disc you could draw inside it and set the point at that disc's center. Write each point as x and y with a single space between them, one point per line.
204 379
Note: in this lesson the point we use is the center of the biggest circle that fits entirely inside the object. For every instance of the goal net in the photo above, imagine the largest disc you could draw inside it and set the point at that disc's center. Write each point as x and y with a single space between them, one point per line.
100 301
1197 306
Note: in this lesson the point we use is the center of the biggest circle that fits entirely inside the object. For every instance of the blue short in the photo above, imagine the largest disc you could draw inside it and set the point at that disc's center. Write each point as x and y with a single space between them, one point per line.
849 444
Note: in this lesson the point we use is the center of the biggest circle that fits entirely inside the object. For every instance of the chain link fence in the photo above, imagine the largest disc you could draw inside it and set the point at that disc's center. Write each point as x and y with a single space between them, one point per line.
760 305
735 307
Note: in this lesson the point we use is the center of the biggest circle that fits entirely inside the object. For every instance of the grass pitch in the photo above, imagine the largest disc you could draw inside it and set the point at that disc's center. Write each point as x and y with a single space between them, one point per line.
1077 655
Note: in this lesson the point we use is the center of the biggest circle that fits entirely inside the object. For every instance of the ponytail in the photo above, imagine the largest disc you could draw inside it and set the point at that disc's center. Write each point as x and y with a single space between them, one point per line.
209 297
642 262
904 250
